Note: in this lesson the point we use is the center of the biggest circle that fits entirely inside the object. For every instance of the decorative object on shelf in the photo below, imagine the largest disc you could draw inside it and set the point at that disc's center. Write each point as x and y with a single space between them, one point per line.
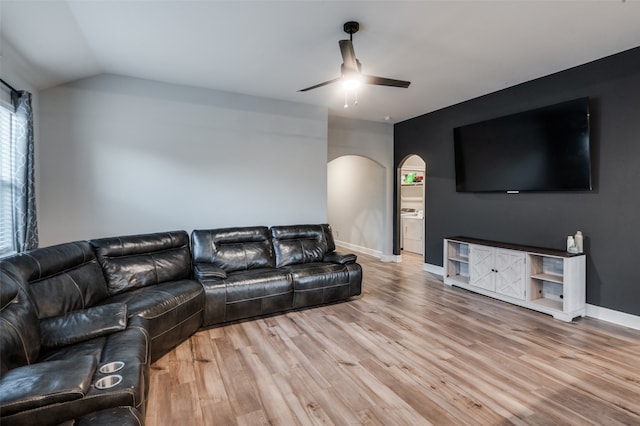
579 240
412 178
571 245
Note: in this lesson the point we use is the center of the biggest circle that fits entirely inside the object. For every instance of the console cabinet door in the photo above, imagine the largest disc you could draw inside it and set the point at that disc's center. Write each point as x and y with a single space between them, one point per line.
510 273
481 260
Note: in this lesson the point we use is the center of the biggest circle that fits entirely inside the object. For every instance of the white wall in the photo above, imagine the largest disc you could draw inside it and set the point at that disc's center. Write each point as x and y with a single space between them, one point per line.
121 156
356 202
348 137
16 71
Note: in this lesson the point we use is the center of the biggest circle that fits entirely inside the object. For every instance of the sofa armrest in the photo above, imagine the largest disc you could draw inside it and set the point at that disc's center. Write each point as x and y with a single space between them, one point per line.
45 383
85 324
341 258
206 271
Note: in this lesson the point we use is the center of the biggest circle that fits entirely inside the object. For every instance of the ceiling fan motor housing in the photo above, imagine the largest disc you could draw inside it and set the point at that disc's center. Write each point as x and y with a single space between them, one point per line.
351 27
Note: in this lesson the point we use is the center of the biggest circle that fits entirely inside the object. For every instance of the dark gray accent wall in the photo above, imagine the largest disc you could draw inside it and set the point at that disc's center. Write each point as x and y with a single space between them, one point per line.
608 216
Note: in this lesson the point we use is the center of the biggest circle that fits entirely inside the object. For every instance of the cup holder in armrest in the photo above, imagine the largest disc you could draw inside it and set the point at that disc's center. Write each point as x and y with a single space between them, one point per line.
108 381
111 367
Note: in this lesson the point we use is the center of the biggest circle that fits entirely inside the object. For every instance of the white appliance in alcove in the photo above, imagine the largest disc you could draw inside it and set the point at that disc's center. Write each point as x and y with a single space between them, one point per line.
412 205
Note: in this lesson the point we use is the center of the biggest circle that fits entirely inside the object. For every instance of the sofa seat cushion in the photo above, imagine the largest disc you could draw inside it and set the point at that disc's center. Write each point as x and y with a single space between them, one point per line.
92 347
84 324
45 383
318 283
169 311
245 294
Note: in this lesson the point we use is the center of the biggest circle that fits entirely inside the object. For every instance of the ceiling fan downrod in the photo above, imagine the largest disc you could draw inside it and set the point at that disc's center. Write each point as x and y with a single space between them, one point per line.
351 28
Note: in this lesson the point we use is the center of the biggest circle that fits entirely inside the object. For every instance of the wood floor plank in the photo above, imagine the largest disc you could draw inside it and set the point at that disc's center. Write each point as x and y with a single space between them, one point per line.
238 382
409 351
272 401
213 413
159 402
306 389
185 402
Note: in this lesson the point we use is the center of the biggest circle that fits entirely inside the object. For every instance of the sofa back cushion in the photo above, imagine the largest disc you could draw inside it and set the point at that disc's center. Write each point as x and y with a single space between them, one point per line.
19 329
234 249
298 244
328 235
135 261
62 278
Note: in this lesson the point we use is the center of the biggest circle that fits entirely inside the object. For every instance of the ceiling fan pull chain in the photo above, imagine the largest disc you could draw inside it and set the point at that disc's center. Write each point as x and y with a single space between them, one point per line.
346 101
355 95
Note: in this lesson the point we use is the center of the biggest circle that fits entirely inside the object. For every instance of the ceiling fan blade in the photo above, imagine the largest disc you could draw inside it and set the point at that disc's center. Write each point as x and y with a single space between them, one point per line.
381 81
320 85
348 55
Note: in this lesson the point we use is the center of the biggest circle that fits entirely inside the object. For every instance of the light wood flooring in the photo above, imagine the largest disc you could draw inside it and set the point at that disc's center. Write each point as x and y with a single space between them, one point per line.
410 351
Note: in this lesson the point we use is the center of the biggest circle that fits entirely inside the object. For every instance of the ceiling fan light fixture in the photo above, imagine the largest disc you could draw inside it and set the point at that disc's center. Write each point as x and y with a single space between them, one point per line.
351 82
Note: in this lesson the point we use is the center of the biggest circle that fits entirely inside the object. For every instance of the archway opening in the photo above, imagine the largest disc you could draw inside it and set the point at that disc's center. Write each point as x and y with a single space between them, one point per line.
356 203
412 175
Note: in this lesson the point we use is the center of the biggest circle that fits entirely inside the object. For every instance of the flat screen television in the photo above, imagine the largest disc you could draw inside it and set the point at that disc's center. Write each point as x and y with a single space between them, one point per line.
540 150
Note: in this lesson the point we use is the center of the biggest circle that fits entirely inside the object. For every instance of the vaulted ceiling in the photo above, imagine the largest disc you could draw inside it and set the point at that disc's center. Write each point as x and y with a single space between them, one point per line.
451 51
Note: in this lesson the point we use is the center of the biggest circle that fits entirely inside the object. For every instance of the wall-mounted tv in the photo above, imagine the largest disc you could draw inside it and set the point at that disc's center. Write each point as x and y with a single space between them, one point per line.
544 149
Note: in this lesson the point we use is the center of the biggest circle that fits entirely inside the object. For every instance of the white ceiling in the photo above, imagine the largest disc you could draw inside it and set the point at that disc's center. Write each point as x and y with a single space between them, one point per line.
451 51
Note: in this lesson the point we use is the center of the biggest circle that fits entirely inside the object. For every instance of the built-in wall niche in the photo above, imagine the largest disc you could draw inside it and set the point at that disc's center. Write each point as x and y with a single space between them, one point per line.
412 171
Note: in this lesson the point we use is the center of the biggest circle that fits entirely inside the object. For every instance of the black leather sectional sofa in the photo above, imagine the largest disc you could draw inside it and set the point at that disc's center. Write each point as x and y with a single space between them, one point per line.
81 322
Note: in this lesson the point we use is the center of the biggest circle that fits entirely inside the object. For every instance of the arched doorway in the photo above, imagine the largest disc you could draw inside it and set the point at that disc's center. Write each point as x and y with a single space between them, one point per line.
411 206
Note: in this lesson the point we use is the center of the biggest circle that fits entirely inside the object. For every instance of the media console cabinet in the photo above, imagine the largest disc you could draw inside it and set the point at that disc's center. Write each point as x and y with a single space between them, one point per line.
545 280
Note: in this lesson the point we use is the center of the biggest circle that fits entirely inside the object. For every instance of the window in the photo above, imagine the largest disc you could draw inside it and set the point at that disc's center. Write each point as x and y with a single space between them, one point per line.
18 221
7 245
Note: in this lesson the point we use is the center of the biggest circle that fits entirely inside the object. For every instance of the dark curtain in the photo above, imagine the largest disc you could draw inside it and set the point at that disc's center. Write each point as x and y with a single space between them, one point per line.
24 197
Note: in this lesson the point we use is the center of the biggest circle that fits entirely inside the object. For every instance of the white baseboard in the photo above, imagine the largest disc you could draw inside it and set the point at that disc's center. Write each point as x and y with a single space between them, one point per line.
365 250
592 311
434 269
395 258
616 317
375 253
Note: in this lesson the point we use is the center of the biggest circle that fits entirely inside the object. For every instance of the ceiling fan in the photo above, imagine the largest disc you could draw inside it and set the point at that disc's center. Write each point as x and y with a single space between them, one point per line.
350 69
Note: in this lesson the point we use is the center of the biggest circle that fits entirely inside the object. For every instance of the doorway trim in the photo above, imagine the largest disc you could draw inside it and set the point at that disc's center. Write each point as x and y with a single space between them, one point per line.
397 212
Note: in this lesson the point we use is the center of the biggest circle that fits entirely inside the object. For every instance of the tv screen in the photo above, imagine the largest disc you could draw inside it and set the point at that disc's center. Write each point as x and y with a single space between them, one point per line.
545 149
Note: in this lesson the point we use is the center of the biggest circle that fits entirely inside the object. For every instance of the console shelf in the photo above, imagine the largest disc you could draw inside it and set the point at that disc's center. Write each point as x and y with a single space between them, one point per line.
457 260
549 277
545 280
